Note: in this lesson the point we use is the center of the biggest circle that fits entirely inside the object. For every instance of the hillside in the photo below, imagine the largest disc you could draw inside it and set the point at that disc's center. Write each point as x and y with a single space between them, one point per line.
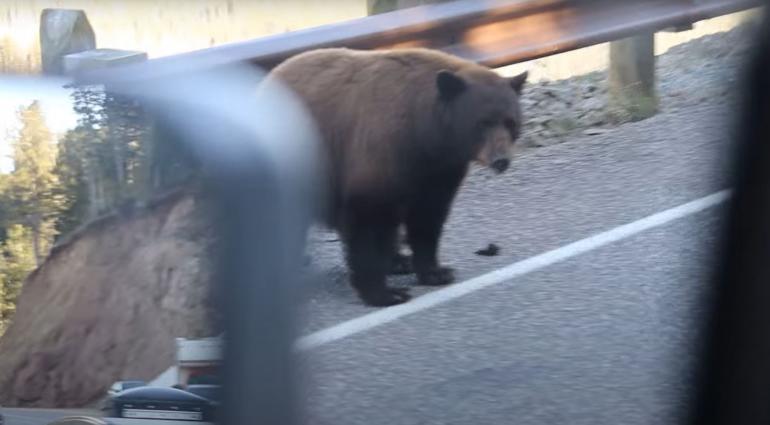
107 305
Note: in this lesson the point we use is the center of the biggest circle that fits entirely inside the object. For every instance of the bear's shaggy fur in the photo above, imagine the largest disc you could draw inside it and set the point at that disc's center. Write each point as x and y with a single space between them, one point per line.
400 129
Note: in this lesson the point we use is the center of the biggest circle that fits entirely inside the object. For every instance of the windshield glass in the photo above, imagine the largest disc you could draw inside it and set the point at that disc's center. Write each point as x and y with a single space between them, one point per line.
412 209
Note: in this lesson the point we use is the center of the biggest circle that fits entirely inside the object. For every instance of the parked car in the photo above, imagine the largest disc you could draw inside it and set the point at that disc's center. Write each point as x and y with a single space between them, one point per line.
159 403
121 386
213 393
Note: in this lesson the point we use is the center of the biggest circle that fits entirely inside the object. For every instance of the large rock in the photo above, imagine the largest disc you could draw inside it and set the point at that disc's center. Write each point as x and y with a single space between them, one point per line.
108 305
63 31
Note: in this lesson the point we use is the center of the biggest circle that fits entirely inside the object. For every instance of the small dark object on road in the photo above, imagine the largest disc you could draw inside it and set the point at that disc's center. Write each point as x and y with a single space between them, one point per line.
490 251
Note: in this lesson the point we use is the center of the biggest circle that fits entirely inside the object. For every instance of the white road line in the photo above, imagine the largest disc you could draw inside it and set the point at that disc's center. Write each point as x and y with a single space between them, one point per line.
449 293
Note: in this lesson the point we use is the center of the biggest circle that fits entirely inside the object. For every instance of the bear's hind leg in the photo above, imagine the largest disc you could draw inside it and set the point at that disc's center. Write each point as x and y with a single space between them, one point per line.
401 264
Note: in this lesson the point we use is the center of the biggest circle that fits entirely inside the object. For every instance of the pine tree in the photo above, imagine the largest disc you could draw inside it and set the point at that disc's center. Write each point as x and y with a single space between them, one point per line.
33 200
114 156
72 188
17 260
4 305
5 207
88 103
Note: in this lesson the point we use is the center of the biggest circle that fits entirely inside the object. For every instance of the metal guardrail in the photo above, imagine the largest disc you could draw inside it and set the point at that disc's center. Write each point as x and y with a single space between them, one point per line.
492 32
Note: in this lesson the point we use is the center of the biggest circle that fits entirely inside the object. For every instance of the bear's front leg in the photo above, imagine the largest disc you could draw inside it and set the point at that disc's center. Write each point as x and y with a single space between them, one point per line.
425 222
369 246
424 235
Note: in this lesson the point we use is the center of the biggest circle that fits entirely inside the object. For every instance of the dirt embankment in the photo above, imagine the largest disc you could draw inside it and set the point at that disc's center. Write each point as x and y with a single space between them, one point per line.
107 305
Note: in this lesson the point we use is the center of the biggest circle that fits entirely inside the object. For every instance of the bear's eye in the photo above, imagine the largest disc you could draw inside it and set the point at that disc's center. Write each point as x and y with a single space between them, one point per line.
509 124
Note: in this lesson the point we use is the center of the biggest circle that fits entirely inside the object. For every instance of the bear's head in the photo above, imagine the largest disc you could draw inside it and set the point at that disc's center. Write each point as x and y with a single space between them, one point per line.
481 114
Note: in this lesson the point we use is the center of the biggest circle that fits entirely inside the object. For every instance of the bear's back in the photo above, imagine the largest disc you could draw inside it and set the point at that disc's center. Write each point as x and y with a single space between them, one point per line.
326 70
350 92
375 110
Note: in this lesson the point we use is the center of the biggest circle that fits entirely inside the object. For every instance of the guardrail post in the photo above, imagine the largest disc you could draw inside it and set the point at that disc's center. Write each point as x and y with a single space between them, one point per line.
374 7
679 28
632 77
63 31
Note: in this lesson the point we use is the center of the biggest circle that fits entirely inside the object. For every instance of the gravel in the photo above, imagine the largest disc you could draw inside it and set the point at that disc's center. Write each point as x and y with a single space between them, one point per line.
690 73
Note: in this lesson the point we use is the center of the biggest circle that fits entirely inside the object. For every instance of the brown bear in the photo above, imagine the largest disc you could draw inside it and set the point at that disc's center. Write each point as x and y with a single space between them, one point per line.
400 129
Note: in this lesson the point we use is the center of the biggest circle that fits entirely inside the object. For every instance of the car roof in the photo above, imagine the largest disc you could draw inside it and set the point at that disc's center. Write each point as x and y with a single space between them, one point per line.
158 394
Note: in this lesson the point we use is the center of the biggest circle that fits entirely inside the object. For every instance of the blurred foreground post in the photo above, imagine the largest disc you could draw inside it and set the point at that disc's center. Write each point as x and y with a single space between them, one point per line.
257 151
632 77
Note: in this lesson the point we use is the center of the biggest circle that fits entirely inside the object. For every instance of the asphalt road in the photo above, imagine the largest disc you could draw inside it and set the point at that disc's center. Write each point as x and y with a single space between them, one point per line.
603 336
46 416
39 416
556 195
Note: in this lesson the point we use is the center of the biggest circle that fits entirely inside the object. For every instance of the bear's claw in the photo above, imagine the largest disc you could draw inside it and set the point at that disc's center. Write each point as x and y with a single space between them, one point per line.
401 265
386 296
437 277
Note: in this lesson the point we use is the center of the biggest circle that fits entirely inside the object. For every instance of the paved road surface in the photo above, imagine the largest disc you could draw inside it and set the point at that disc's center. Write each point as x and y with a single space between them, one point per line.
45 416
39 416
601 337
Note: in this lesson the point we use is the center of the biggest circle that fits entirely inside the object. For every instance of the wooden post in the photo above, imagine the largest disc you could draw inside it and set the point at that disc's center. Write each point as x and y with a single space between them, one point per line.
632 78
679 28
373 7
381 6
63 31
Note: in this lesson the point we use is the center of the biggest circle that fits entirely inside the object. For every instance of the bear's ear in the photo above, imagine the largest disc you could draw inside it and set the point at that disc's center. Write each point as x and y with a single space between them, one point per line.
517 82
449 84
